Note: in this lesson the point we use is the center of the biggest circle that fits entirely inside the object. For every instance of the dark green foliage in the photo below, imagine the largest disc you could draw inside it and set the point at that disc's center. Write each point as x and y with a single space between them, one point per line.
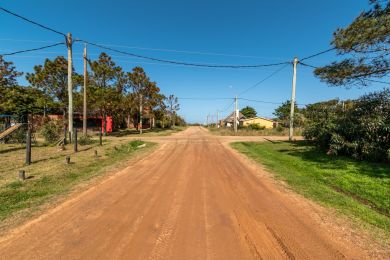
52 79
21 101
111 92
256 127
367 38
85 140
358 128
8 73
282 114
19 136
52 131
248 112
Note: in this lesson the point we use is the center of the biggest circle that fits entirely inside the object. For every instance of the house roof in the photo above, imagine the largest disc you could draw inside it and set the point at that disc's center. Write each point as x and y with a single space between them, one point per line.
230 118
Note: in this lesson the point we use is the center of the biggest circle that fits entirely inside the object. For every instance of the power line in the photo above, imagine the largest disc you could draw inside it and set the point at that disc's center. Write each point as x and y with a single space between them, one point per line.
307 65
261 81
191 52
200 98
227 107
261 101
34 49
317 54
30 21
24 40
183 63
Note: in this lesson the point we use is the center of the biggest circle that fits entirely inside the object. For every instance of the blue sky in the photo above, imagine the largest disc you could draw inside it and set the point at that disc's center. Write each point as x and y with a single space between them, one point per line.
213 31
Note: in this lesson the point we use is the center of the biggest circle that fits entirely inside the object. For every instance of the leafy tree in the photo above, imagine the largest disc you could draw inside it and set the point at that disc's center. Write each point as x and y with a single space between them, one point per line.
141 85
52 79
248 112
366 40
106 87
8 73
282 113
172 105
21 101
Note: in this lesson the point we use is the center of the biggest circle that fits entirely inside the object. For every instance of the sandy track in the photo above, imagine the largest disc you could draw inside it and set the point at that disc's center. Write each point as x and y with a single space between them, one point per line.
191 199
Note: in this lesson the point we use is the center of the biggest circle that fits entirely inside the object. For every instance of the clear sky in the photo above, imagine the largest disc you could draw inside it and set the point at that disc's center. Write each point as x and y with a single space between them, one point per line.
200 31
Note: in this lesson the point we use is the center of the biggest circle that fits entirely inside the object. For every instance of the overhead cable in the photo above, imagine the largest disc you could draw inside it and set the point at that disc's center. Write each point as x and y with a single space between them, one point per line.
261 81
30 21
317 54
34 49
180 62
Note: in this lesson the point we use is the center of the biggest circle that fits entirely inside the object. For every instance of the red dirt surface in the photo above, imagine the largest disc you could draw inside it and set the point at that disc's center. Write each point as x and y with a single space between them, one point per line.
192 198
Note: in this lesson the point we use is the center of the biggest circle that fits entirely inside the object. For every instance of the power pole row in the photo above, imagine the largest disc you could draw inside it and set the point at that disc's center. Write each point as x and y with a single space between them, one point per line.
69 43
294 81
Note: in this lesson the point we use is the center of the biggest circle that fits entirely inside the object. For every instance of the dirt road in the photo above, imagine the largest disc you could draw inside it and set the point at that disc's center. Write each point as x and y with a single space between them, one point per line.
192 198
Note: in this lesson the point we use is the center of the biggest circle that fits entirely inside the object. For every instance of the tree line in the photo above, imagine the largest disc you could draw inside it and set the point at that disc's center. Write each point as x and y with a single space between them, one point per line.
111 91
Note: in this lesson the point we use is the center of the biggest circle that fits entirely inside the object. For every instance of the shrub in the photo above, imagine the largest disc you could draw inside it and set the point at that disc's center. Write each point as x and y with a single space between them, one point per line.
51 131
279 128
256 127
19 136
360 128
85 140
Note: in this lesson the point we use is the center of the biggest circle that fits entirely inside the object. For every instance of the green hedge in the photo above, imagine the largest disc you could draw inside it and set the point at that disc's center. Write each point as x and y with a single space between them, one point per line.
358 128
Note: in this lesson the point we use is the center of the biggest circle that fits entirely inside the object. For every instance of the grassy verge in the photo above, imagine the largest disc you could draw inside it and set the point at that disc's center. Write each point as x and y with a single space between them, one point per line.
360 190
51 176
229 131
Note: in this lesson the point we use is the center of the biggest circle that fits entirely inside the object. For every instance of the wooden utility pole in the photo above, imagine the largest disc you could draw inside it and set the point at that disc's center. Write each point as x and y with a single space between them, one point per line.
217 125
85 92
140 113
235 114
294 81
28 145
70 84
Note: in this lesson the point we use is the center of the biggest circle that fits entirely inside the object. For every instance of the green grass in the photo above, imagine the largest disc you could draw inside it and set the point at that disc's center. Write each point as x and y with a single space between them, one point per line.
53 177
360 190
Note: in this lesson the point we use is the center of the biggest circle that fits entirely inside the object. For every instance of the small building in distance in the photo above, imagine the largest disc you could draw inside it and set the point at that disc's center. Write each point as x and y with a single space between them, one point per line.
261 121
229 120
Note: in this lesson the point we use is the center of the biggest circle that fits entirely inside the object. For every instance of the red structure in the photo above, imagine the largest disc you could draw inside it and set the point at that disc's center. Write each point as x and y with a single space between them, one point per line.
108 124
93 122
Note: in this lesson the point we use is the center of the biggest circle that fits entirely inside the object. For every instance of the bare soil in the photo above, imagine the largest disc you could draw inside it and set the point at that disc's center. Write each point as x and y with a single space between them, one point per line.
192 198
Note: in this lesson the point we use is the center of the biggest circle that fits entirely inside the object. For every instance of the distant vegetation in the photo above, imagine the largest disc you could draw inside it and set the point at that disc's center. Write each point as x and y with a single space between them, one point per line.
111 91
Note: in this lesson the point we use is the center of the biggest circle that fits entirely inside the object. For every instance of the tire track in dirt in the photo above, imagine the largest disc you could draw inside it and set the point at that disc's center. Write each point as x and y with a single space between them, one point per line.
191 199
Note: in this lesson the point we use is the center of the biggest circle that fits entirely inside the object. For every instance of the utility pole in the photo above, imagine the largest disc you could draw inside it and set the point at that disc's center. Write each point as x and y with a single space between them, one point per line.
70 84
235 114
217 125
207 124
85 92
140 113
294 82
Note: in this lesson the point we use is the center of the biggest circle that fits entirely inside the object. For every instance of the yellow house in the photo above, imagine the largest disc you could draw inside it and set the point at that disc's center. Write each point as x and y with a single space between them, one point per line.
268 123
